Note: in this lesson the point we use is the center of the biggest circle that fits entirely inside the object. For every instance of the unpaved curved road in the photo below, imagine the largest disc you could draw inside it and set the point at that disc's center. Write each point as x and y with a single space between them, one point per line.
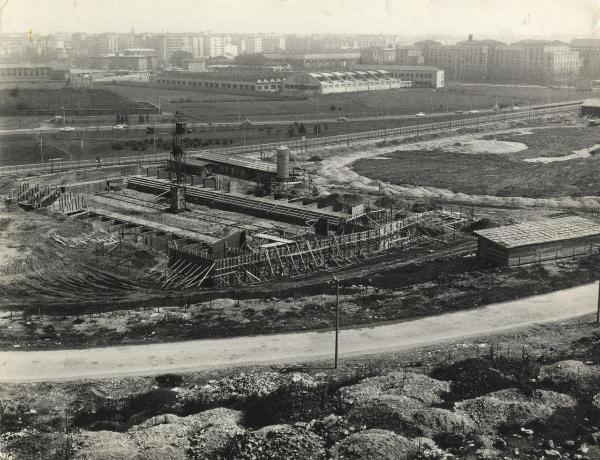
295 347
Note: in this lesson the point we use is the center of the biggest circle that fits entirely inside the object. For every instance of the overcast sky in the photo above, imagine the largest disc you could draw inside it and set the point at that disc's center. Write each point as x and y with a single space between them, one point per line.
507 18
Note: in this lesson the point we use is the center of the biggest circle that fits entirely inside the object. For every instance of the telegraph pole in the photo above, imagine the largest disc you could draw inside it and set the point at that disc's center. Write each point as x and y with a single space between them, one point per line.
337 320
598 310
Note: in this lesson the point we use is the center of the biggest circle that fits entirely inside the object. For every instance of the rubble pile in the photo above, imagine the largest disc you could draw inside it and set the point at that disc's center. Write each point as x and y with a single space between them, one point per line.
418 387
203 435
569 374
242 387
277 442
373 445
513 407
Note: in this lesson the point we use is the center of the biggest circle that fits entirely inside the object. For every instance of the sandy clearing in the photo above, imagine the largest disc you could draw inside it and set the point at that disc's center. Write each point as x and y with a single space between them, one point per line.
335 172
577 154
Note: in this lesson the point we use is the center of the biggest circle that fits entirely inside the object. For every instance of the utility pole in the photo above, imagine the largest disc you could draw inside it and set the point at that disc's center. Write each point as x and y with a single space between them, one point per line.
337 320
598 310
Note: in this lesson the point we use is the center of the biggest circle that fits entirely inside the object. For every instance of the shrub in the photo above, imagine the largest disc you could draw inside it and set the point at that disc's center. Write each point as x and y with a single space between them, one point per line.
169 380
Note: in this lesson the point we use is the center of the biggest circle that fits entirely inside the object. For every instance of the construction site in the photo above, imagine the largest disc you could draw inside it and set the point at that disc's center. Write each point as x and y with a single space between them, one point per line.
144 283
216 220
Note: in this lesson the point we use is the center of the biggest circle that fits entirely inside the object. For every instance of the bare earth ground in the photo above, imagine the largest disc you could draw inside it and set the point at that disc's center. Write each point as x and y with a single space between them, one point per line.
68 416
498 161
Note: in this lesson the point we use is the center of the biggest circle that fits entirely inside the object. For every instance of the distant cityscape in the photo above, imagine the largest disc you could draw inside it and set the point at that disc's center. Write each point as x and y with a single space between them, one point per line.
183 59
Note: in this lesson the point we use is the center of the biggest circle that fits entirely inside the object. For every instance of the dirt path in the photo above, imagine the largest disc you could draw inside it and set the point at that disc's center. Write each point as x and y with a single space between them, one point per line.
291 348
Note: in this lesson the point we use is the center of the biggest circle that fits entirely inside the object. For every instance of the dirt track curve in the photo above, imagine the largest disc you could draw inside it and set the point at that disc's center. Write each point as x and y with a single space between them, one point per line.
294 347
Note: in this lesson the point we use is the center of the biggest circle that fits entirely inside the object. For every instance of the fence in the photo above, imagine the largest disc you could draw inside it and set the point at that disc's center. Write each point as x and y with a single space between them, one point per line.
38 168
554 255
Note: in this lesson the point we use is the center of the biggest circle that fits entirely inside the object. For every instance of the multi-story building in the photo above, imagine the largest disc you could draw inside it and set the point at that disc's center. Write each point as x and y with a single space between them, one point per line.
507 64
251 45
409 55
589 54
341 60
549 62
107 43
271 44
466 61
126 41
214 45
14 45
377 55
172 42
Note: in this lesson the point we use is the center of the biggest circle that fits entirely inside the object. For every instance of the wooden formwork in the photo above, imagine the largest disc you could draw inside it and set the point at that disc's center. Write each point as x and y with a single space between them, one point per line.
292 259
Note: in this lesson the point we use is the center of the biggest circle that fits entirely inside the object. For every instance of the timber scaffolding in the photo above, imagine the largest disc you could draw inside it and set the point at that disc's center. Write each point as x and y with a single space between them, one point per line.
280 210
192 266
33 196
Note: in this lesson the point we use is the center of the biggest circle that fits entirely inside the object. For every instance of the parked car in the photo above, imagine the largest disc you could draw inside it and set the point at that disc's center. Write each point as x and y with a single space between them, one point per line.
420 115
342 119
122 126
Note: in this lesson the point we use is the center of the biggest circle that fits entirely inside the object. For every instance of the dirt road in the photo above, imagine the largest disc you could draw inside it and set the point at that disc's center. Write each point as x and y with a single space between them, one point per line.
296 347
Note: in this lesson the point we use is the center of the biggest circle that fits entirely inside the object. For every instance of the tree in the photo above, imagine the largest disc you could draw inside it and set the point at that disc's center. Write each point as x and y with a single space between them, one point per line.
291 131
178 57
302 129
254 60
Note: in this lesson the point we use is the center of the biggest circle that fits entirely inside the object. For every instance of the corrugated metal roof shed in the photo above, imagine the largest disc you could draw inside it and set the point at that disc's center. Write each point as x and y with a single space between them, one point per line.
231 160
595 103
542 231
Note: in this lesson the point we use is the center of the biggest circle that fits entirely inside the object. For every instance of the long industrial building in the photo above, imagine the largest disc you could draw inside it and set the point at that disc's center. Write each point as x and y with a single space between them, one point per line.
310 83
224 82
533 242
304 83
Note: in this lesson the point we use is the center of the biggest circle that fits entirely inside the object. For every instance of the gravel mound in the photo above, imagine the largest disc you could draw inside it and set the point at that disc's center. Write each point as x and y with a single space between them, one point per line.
242 387
569 374
417 386
199 436
373 445
216 428
104 445
277 442
408 417
435 421
513 407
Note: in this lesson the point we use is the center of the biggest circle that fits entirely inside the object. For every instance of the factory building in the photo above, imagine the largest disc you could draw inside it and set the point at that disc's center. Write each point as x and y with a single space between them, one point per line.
420 76
223 82
534 242
311 83
33 76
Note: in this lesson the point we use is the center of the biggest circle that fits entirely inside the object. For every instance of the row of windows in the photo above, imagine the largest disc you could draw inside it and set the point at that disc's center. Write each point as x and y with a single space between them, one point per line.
205 84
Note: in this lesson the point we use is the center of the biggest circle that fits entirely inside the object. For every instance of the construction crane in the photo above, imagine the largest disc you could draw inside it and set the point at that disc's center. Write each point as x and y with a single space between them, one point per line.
177 165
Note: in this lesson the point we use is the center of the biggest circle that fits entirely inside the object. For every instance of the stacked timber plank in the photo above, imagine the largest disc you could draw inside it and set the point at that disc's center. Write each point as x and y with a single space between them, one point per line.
260 207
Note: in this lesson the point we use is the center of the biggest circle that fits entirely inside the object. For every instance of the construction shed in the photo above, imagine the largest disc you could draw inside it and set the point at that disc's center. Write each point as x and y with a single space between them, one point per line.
590 108
538 241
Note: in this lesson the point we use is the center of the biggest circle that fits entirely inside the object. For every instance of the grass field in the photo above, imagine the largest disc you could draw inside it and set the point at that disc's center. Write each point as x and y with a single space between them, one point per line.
497 174
24 100
25 148
214 106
